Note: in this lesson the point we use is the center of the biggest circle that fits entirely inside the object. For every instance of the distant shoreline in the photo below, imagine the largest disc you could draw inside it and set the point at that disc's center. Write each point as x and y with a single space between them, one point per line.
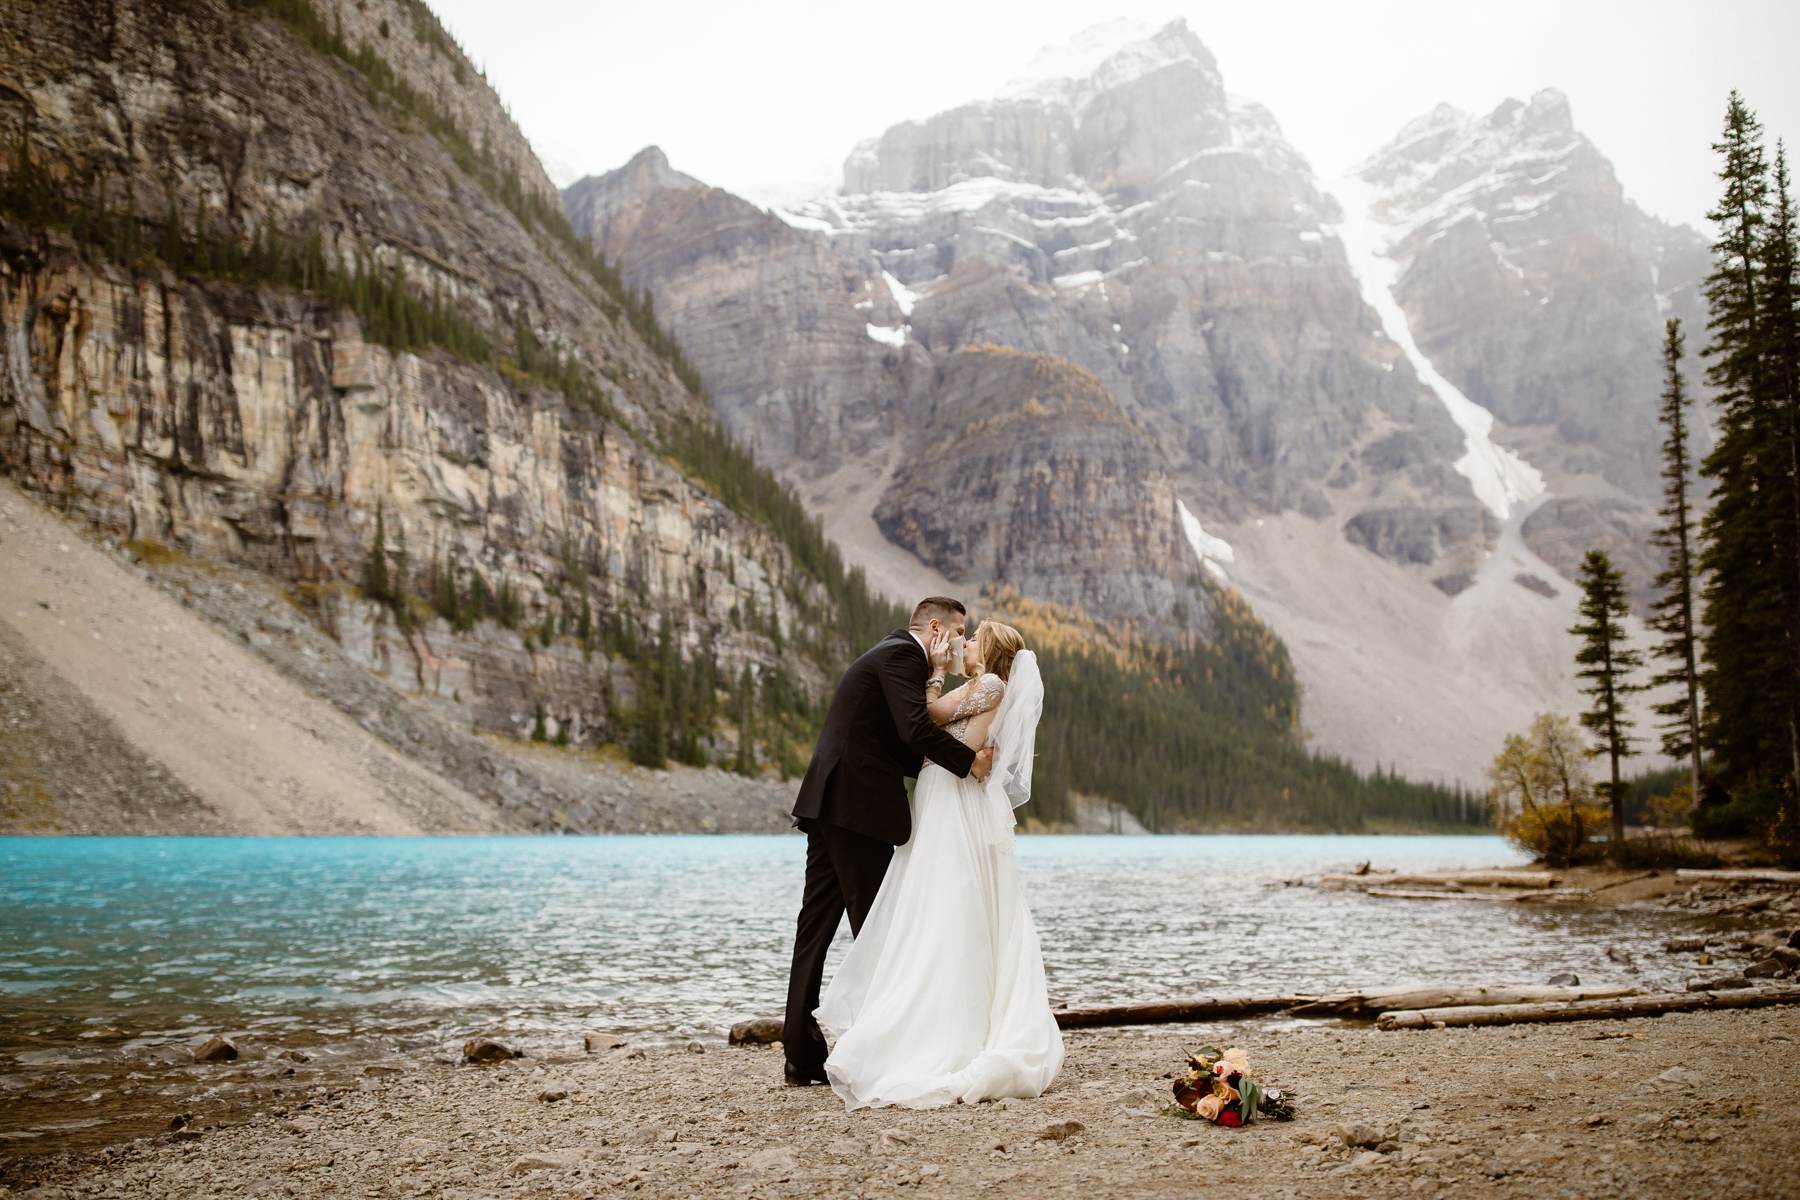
23 835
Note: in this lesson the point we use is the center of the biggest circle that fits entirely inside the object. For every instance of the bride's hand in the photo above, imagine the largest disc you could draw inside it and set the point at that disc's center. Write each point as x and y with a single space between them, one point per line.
984 763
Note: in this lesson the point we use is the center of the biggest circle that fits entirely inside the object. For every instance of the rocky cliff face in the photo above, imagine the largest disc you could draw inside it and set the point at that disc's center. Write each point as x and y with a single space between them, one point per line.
1268 348
1533 284
1132 221
252 418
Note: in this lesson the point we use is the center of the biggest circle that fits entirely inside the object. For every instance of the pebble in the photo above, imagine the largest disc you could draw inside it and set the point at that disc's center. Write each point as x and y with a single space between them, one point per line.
544 1160
778 1162
216 1049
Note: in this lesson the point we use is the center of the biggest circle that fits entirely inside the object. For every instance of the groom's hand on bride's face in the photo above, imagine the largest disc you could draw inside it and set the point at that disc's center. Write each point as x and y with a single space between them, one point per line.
984 762
938 650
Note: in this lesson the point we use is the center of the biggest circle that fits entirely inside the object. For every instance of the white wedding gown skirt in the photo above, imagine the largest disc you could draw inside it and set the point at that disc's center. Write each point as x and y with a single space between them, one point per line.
942 995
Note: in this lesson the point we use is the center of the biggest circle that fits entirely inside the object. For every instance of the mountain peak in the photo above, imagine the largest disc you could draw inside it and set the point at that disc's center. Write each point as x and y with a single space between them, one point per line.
650 158
647 169
1106 55
1549 110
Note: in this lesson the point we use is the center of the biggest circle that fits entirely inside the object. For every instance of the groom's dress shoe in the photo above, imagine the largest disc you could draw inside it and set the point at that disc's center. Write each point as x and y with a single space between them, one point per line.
796 1077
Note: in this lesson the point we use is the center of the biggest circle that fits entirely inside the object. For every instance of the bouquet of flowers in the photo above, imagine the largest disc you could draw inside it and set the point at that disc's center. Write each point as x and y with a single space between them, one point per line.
1218 1088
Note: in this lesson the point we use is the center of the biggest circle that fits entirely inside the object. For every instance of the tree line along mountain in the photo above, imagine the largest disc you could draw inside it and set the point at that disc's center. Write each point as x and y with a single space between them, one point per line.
345 331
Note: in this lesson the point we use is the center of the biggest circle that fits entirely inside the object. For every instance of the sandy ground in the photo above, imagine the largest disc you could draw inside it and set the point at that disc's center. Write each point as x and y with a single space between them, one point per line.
189 697
65 768
1582 1109
253 746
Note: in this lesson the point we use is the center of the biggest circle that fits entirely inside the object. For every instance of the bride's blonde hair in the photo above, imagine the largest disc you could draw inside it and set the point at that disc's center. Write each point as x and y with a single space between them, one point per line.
996 645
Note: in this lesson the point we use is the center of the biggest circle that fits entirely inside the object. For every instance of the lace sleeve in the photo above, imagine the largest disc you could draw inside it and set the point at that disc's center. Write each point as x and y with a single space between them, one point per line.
983 695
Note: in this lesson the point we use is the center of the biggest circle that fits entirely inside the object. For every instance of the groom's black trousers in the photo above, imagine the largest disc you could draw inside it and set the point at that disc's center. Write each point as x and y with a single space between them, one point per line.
843 873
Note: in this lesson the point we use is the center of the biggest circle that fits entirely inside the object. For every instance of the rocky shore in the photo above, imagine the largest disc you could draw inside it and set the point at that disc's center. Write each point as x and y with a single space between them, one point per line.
1572 1110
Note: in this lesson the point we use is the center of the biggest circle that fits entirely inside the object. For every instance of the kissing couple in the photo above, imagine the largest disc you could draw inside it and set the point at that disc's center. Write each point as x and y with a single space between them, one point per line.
941 996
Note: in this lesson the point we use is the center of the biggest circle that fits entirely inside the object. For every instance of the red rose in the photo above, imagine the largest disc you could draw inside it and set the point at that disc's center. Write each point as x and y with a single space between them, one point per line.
1229 1118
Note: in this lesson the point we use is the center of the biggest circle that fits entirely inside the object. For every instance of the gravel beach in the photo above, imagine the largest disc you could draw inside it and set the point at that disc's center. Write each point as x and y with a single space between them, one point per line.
1581 1109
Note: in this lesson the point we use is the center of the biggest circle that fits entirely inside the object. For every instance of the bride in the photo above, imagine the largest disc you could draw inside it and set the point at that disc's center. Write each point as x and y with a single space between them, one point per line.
941 997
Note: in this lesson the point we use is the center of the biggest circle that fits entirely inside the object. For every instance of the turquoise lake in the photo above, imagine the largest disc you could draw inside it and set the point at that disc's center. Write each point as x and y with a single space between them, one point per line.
116 954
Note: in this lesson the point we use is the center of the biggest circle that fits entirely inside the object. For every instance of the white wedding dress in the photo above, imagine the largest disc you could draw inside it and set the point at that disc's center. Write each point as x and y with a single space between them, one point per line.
941 997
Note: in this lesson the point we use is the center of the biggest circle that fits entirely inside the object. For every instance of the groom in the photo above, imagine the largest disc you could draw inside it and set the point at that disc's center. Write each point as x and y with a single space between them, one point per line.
853 805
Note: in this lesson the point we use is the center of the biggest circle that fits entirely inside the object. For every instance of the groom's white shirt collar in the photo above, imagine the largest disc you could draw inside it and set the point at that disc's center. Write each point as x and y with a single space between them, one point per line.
918 639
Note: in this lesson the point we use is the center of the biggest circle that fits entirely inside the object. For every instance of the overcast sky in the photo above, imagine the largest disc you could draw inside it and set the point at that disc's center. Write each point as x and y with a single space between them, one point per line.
767 98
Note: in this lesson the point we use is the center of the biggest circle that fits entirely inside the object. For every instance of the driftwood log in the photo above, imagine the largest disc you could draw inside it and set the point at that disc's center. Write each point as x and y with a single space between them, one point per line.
1518 879
767 1030
1175 1012
1368 1004
1208 1008
1437 894
1585 1010
1748 874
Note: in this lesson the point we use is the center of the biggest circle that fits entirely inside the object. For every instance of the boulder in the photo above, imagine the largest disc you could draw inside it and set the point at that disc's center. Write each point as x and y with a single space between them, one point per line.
217 1048
595 1043
1364 1134
1768 968
763 1031
483 1050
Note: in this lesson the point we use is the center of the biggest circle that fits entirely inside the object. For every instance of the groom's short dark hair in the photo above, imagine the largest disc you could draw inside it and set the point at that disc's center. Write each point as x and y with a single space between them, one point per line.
941 608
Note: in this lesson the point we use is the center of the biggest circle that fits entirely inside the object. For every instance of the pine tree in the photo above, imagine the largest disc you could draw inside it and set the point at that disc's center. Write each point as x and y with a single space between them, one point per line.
400 587
1780 328
375 571
1606 661
650 722
1674 607
538 732
1740 677
745 763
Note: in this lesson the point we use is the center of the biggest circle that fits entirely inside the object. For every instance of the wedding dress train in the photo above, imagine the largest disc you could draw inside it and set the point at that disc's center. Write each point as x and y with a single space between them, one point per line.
942 995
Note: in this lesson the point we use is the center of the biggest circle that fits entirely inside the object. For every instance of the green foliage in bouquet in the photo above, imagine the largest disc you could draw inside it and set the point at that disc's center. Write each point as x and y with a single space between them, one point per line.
1218 1088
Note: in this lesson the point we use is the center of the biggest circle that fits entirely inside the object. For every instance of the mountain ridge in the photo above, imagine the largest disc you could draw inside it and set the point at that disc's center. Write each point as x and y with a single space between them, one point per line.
1171 275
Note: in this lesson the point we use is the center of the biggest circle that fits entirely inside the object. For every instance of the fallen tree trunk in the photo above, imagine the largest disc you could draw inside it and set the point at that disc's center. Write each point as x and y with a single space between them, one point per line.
1521 879
1172 1012
1550 894
1428 894
767 1030
1584 1010
1366 1004
1750 874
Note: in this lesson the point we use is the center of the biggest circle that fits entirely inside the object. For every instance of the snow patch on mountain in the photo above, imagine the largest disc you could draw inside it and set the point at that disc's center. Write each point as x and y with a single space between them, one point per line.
904 297
1501 479
1212 551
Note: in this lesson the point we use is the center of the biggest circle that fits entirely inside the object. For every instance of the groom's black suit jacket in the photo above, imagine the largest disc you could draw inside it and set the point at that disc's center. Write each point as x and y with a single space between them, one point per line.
876 733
